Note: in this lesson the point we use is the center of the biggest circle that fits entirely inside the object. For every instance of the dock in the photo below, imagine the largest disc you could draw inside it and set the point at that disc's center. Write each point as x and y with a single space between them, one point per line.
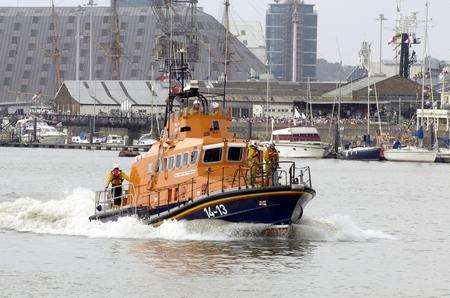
78 146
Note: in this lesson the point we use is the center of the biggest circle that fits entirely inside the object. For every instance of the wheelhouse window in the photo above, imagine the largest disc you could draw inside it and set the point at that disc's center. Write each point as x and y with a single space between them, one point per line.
235 153
164 165
194 156
178 161
171 163
185 159
212 155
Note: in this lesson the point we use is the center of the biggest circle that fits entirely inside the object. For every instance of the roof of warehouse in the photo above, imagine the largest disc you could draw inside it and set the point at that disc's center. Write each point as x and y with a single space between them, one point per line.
117 92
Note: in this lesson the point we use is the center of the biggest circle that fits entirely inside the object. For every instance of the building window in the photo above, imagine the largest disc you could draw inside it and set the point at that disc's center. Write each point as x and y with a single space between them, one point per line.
52 26
87 26
17 26
71 20
310 46
140 32
106 20
69 32
64 60
6 81
23 88
9 67
104 32
67 46
123 26
141 19
84 53
29 61
12 53
15 39
138 45
99 74
136 59
26 74
100 60
43 81
82 67
31 46
33 33
242 32
134 73
45 67
245 42
35 20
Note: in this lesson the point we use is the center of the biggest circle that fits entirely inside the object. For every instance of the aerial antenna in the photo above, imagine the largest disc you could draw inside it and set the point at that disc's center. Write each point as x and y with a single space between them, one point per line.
226 50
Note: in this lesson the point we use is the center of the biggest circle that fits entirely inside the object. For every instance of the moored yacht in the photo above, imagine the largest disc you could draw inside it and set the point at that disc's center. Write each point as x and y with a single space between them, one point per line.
300 142
411 154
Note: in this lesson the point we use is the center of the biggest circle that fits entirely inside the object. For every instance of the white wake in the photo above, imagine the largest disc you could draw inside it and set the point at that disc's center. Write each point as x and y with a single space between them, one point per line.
69 216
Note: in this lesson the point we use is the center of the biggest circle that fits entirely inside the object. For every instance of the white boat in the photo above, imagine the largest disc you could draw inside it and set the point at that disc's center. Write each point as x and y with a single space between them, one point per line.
443 155
115 140
146 140
45 134
411 154
300 142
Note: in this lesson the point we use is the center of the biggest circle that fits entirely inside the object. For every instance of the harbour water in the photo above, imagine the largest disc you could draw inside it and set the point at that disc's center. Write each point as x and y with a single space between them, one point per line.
375 229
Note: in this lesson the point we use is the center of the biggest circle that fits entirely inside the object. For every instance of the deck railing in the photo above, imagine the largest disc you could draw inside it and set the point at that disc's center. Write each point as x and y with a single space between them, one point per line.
256 176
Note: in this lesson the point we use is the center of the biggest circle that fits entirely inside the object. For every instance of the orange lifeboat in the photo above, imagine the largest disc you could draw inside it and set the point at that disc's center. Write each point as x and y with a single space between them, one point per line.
198 169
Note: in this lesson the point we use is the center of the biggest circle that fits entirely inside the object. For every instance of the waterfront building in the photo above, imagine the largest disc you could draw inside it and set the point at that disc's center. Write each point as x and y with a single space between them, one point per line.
280 24
111 97
27 53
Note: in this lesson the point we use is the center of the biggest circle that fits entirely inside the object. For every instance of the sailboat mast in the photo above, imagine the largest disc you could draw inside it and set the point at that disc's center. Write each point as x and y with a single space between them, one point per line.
424 54
227 30
368 99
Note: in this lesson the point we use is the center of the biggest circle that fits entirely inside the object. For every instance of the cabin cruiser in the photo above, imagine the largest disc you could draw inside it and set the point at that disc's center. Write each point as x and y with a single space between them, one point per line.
115 140
300 142
45 134
198 170
146 140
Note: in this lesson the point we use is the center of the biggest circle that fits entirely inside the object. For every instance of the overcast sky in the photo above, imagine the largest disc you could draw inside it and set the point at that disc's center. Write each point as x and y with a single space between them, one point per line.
343 22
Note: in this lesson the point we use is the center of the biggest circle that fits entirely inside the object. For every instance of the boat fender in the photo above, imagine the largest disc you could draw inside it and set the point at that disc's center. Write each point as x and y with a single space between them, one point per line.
295 181
99 208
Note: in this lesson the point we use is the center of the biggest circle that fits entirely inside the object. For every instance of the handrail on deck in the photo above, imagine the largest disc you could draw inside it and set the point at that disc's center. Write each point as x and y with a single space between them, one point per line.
286 174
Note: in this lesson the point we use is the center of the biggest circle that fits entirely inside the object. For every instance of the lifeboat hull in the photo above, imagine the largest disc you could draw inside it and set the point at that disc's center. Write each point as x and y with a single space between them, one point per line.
273 206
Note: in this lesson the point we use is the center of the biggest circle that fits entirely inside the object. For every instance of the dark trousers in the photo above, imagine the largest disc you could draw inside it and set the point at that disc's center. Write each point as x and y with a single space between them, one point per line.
117 195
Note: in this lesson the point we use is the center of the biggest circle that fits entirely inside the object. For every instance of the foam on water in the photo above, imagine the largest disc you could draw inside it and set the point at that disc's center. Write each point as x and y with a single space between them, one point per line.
69 216
336 228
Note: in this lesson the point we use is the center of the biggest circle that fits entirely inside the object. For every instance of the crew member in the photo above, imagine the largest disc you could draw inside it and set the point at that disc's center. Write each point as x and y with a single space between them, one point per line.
115 178
253 161
271 160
